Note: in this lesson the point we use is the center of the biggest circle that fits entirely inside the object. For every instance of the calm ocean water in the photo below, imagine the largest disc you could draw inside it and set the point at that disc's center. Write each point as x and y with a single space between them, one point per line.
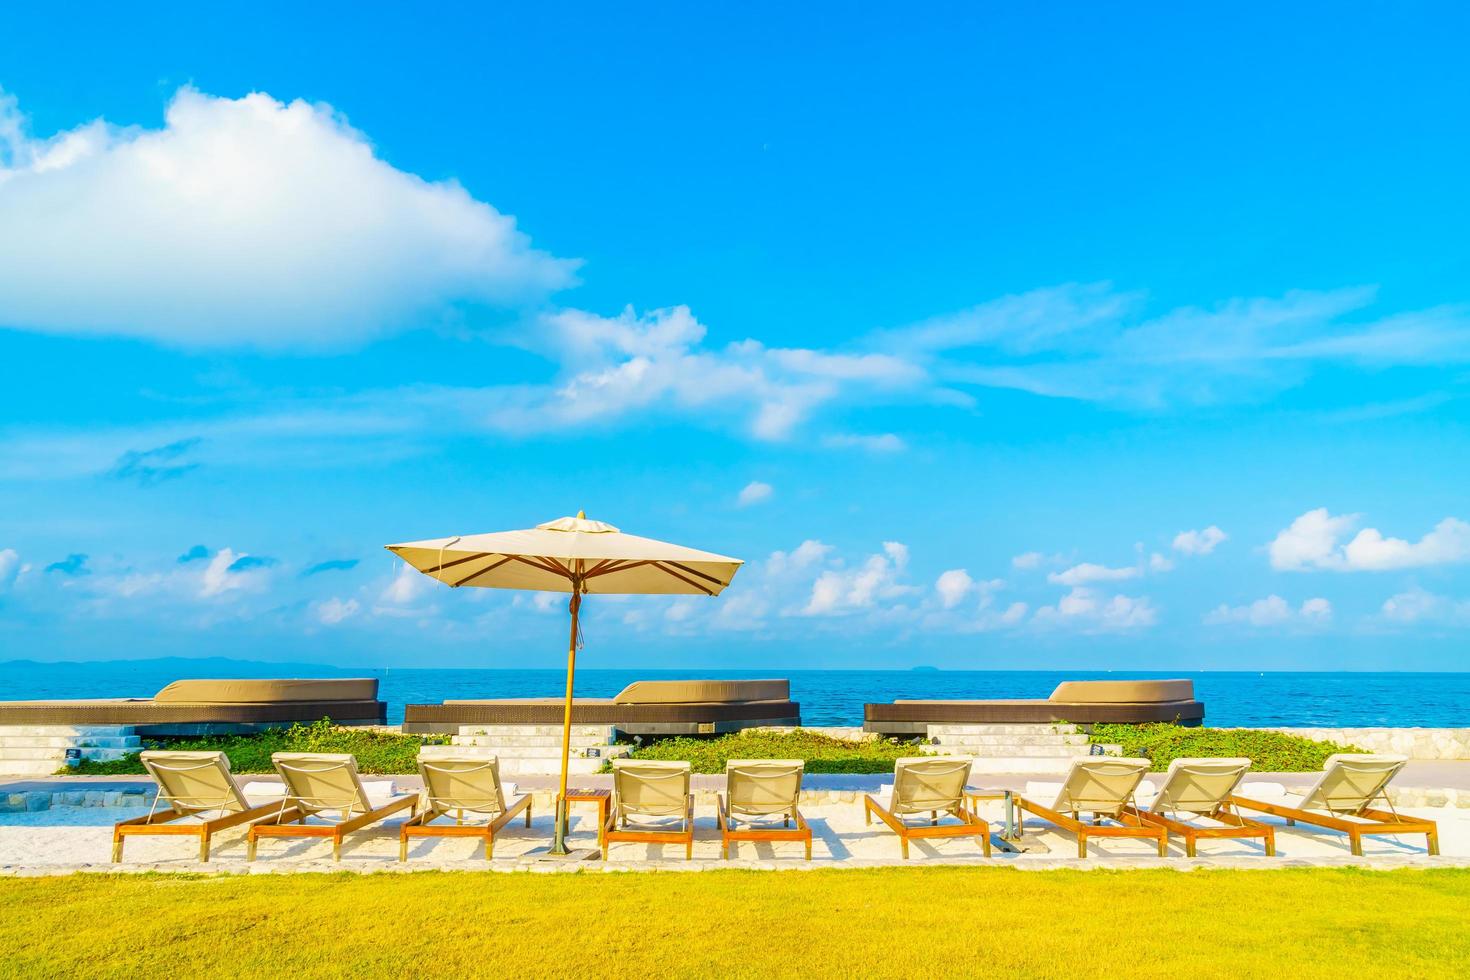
827 697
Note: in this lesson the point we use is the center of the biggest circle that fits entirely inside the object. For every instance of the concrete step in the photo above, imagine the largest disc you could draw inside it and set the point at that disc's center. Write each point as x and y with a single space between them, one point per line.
1016 729
8 752
523 731
548 753
1013 751
131 742
1053 765
540 767
66 730
952 739
30 767
525 741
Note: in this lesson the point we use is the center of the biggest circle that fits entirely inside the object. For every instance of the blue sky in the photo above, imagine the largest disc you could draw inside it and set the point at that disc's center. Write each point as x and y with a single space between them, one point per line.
992 338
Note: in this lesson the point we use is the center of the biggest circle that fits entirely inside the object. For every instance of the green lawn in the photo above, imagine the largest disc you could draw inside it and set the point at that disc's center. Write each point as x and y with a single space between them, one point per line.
901 922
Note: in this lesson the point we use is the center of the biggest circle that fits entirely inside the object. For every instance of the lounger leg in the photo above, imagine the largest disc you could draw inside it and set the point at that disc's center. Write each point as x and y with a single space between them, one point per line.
934 818
867 815
1355 841
203 847
336 847
489 846
1163 845
528 813
903 843
808 843
459 818
1082 845
402 848
1432 839
117 846
1270 843
250 847
1191 846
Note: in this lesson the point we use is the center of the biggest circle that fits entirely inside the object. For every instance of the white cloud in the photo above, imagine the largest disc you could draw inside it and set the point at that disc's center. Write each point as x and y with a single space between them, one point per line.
9 568
1419 606
1199 542
953 586
242 222
408 586
1271 611
332 611
1086 609
754 492
1159 563
1312 541
1087 572
839 591
1029 561
227 571
885 442
1090 342
805 555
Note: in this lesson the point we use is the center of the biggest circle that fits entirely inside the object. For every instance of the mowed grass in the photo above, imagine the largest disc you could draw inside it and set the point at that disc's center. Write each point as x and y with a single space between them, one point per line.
898 922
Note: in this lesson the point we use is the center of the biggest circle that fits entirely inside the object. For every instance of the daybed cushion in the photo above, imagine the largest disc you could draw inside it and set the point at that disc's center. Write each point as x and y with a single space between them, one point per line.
267 690
1122 692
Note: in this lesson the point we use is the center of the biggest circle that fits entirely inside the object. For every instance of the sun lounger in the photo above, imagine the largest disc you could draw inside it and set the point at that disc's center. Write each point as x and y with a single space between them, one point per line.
1103 787
461 784
650 791
318 784
1201 789
932 785
1343 799
194 785
758 791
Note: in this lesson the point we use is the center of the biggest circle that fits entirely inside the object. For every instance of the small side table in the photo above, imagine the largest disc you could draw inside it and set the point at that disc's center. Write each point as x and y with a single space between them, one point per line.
1011 828
603 799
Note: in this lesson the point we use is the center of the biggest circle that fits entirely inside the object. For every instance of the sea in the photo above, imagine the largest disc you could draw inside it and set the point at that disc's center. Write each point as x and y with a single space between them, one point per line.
827 697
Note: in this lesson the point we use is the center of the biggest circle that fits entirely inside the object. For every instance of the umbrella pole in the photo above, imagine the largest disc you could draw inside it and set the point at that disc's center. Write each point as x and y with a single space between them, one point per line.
559 846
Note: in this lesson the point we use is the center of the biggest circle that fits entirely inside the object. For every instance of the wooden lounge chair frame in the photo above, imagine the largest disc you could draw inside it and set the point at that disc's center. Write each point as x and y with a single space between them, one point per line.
730 833
616 829
1370 821
1127 824
164 823
970 825
419 824
1234 826
290 818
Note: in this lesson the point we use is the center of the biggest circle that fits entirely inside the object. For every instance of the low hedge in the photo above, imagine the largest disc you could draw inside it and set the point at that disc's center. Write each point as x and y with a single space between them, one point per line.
821 753
1163 742
378 752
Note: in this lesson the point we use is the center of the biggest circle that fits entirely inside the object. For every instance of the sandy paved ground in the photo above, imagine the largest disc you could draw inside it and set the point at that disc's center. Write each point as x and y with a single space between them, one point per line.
67 839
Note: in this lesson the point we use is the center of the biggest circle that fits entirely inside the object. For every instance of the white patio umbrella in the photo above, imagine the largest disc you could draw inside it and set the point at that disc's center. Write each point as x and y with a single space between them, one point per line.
575 555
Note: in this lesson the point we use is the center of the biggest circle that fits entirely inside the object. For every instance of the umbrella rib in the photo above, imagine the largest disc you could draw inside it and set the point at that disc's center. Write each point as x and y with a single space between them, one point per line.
457 561
469 578
695 571
615 567
687 581
545 564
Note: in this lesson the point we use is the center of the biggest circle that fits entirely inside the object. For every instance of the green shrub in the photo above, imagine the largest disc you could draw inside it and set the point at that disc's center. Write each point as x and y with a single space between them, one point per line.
1163 742
376 751
821 753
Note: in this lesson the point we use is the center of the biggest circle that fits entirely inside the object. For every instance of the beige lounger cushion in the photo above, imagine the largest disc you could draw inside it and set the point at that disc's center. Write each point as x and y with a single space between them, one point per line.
462 782
759 787
322 781
192 782
1100 784
925 783
265 690
1199 786
1351 781
650 788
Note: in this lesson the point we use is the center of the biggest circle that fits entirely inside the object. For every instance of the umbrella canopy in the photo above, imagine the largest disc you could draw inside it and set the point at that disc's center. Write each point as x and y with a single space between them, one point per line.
574 555
551 557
